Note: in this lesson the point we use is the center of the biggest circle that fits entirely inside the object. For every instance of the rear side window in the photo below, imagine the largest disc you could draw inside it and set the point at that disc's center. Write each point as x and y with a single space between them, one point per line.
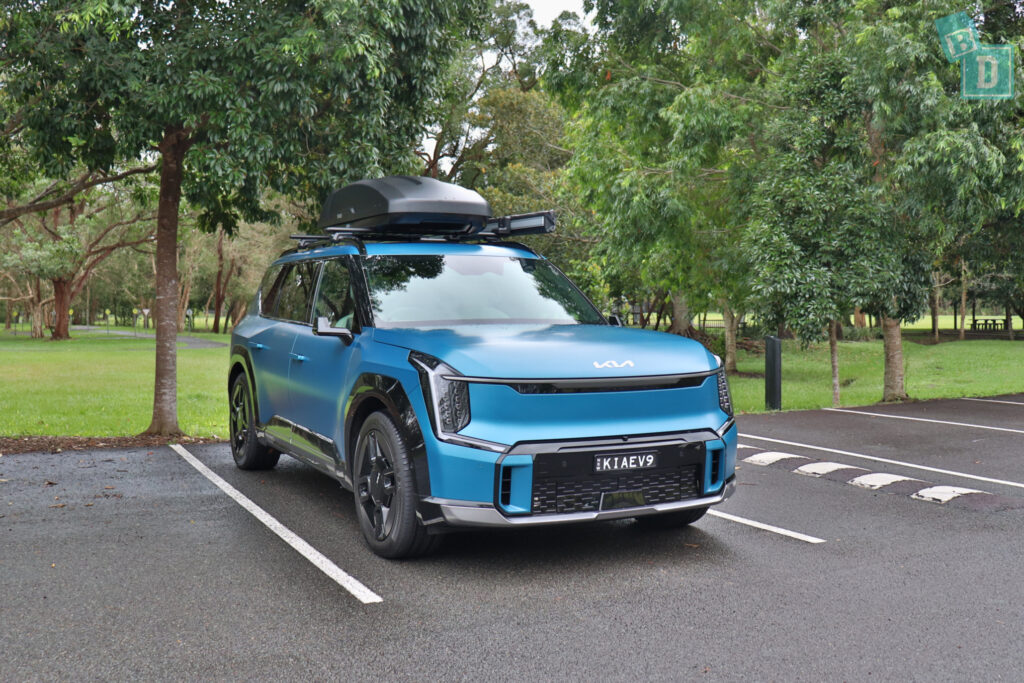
269 289
296 295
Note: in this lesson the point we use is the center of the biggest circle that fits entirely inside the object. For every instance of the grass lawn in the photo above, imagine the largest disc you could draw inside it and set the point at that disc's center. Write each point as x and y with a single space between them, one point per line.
102 385
952 369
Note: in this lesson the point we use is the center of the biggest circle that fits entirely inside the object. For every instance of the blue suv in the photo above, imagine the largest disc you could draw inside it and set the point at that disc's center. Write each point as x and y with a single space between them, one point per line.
449 377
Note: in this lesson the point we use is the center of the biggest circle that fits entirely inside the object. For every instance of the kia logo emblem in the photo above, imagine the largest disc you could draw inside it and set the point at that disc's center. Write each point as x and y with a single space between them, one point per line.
614 364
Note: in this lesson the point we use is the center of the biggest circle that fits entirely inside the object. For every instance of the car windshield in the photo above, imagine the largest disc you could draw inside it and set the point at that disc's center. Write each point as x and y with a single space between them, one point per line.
440 291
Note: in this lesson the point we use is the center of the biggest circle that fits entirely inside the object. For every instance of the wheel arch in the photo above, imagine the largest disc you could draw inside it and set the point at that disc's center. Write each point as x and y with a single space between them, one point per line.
372 393
242 363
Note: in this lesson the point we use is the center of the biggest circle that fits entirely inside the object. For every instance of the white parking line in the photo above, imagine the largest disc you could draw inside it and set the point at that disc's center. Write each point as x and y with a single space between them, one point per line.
767 527
964 475
925 419
993 400
319 560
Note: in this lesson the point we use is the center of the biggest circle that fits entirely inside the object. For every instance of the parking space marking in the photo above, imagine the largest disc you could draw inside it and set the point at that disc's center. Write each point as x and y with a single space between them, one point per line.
767 527
993 400
900 463
816 469
318 559
925 419
770 457
944 494
916 489
876 480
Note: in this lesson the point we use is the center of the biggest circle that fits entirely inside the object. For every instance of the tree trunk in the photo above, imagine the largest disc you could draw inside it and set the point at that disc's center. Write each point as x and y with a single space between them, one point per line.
963 297
1008 322
7 315
833 348
218 292
165 386
892 337
61 304
933 305
37 311
680 315
731 321
859 319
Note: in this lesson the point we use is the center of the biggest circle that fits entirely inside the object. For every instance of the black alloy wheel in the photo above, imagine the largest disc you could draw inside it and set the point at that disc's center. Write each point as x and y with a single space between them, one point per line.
385 494
246 449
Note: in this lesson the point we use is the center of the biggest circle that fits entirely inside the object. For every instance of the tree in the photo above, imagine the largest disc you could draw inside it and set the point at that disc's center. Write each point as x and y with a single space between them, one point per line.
65 245
666 177
230 98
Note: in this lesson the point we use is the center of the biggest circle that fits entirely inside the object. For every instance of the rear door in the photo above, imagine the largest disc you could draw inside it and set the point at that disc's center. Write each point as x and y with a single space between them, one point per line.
289 315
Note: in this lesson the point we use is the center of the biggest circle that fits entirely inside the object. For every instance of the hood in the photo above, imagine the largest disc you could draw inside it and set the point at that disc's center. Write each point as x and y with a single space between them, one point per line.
554 351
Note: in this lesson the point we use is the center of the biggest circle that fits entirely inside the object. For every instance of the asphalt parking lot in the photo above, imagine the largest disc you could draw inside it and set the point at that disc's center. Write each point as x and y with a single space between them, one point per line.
886 544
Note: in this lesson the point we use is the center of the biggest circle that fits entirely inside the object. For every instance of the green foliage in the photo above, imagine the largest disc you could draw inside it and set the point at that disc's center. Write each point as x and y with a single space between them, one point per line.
297 97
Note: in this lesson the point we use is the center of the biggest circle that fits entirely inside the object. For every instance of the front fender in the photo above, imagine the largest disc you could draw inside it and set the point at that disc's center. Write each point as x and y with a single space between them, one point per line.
370 393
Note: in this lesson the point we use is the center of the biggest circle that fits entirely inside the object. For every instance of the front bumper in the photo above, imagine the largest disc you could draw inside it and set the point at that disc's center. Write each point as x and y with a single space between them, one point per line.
458 513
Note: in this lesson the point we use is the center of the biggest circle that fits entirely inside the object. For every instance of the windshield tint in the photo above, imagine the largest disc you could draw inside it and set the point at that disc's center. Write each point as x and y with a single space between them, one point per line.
438 291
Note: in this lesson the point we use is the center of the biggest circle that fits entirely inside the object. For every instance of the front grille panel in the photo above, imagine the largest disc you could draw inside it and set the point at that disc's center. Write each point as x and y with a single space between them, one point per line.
583 493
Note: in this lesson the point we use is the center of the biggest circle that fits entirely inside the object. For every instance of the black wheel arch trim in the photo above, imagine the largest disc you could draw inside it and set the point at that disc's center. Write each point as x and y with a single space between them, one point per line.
389 392
239 350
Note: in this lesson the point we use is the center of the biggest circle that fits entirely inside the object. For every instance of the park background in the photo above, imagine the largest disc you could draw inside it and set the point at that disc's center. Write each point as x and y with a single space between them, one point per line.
719 170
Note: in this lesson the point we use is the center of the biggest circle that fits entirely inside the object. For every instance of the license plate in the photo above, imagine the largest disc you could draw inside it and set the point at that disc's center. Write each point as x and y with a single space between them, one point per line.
625 461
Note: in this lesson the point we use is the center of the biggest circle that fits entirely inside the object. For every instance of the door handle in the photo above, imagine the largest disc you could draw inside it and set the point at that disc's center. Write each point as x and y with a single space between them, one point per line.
298 357
256 346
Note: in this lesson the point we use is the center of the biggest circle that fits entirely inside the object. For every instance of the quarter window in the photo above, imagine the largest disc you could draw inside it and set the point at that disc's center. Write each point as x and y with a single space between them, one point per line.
269 289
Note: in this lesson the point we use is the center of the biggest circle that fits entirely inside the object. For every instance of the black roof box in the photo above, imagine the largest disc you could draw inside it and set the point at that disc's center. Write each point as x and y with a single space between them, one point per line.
405 205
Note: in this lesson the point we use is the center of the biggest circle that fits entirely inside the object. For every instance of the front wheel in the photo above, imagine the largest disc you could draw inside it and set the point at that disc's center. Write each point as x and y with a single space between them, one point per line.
385 494
246 449
671 520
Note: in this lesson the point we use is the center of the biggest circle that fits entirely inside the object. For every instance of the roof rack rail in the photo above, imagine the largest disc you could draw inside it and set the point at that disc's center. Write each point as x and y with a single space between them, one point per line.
307 241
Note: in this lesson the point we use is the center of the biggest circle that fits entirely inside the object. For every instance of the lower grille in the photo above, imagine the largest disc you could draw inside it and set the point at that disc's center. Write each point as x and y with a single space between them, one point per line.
583 493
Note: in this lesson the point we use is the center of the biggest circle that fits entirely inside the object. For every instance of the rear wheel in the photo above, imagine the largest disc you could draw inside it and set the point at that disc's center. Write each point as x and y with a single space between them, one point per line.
671 520
385 494
246 449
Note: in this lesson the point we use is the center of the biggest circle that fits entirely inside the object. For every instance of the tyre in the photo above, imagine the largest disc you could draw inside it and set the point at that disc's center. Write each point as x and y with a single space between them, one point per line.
671 520
385 492
246 449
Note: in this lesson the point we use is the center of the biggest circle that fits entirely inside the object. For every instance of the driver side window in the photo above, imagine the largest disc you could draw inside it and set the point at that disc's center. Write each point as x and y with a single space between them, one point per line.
335 301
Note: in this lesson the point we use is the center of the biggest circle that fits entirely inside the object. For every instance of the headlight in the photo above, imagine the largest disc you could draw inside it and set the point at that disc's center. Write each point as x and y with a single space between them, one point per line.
724 399
447 398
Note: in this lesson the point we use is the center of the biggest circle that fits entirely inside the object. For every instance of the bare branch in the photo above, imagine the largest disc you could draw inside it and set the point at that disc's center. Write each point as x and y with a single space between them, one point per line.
83 182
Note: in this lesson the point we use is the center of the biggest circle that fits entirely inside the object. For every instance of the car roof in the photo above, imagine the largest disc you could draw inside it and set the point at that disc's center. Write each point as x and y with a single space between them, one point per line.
418 248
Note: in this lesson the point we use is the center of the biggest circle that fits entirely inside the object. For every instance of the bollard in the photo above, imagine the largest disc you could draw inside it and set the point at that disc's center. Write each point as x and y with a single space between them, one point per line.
772 373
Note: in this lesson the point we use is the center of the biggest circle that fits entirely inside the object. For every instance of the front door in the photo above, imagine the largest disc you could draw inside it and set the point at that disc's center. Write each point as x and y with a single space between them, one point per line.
320 372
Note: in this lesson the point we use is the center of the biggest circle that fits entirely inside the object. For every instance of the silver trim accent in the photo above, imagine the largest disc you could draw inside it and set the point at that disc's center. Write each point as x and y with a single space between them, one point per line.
486 515
726 426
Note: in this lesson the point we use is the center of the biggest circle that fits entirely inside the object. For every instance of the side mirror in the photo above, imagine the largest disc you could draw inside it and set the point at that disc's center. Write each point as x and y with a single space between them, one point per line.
322 328
615 321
